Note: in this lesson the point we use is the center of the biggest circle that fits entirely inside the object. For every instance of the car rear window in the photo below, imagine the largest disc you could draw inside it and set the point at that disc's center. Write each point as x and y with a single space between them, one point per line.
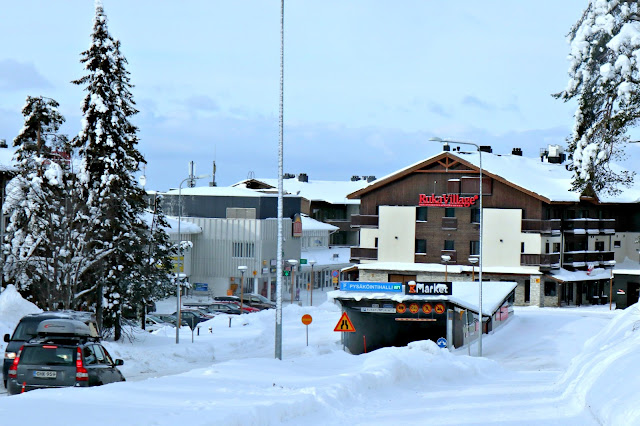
47 355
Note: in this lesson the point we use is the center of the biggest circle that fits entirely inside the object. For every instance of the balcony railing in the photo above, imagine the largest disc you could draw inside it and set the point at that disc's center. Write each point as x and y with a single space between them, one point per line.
364 221
583 258
361 253
551 226
548 260
589 226
449 223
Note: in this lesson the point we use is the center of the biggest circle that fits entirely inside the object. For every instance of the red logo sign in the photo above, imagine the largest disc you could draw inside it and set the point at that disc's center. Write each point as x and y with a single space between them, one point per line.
446 200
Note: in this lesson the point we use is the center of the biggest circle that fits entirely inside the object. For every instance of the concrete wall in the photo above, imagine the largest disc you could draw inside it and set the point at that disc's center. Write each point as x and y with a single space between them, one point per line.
397 226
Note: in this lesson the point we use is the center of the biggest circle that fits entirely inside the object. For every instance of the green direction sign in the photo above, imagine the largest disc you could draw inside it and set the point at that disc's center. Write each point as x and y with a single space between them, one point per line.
303 261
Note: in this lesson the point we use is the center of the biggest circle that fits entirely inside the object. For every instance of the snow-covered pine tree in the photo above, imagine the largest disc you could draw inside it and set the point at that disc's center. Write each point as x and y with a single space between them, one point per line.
604 80
41 204
107 145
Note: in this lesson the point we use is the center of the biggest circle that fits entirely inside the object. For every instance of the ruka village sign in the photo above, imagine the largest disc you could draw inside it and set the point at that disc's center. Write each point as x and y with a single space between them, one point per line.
446 200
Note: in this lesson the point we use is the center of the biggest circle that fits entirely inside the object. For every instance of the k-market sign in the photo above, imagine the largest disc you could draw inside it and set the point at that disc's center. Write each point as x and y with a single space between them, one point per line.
434 289
446 200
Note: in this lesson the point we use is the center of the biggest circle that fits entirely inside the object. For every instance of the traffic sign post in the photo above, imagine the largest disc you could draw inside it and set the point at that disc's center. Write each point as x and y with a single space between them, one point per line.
306 320
344 326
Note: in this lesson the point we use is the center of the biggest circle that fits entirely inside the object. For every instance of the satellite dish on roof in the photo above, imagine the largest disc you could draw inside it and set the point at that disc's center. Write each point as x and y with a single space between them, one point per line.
143 180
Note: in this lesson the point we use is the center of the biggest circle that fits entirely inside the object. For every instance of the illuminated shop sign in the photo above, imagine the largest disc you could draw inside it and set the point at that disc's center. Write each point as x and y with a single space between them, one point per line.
435 289
446 200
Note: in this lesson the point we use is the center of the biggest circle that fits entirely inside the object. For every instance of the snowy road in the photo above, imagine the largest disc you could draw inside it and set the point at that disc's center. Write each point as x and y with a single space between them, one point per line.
229 377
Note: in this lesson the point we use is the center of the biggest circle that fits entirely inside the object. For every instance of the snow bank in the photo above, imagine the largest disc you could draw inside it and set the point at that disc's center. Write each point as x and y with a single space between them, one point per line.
604 376
12 308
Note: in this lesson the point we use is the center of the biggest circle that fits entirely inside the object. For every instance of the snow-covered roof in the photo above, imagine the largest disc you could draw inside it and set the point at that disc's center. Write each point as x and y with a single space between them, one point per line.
219 191
452 269
464 294
185 227
547 180
627 267
327 256
333 192
309 224
564 275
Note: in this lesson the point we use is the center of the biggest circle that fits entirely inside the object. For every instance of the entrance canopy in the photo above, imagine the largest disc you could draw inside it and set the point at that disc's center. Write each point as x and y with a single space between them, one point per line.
464 294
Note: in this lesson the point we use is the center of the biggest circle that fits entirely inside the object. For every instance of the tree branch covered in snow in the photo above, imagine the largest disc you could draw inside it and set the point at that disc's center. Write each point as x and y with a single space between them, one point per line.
604 80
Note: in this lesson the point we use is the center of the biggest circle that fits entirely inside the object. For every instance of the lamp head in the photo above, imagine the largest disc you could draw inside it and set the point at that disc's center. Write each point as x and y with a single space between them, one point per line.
312 262
293 262
445 257
473 260
242 268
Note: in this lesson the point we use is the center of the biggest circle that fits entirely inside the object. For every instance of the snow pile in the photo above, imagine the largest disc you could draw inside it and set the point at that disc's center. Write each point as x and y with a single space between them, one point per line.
12 308
604 376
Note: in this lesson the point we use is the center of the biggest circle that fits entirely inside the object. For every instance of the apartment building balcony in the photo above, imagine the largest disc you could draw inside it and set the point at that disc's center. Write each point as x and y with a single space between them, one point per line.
449 223
364 221
536 226
583 258
362 253
548 260
343 225
589 226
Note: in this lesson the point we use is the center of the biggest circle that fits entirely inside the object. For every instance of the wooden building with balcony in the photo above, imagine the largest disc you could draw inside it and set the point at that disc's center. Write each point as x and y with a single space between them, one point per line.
535 228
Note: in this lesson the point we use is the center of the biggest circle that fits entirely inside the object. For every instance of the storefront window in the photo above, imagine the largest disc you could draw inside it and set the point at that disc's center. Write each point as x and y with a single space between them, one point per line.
550 288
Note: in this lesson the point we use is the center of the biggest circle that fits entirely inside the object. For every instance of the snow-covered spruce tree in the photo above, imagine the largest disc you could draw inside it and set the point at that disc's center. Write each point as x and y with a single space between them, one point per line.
605 81
107 145
42 201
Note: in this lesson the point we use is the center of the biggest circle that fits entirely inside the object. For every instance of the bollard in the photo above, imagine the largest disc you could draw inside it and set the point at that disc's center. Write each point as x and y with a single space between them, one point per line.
229 322
198 330
210 330
364 338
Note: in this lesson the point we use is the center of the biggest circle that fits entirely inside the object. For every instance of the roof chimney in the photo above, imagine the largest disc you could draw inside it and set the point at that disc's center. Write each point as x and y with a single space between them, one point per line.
517 151
355 178
371 178
486 148
446 147
302 177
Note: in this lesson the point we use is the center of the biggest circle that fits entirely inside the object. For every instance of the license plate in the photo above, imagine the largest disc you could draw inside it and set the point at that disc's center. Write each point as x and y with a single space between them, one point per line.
45 374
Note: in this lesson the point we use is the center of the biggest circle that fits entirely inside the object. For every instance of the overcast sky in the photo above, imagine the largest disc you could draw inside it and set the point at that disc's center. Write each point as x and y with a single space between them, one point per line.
367 82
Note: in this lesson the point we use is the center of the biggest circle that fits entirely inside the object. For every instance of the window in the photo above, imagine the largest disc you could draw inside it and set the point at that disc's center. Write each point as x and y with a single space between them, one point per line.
522 247
375 242
475 215
449 212
243 250
599 245
556 247
549 288
546 247
421 214
571 214
421 246
616 244
474 248
448 245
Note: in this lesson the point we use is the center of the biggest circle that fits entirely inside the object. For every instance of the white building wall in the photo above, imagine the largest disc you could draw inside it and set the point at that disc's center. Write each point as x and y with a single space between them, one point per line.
502 239
368 237
397 226
628 246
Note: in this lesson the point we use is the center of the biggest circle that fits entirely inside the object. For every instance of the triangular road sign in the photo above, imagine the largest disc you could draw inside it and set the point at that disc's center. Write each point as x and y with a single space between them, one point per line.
345 324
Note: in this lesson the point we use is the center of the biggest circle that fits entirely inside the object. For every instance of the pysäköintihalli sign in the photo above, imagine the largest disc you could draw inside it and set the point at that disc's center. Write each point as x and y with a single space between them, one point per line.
446 200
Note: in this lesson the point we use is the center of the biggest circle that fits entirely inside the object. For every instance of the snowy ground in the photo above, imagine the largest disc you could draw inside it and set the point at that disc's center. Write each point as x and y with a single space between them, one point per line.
536 370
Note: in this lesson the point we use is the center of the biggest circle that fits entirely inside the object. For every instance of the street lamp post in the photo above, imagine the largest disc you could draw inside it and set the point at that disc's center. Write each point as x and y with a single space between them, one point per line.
311 262
293 263
242 270
473 260
445 258
481 217
613 264
181 254
278 331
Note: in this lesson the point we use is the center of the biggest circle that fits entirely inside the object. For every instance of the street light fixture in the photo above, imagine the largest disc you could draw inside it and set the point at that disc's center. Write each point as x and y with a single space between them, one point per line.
446 141
293 263
473 260
311 262
242 270
445 258
180 252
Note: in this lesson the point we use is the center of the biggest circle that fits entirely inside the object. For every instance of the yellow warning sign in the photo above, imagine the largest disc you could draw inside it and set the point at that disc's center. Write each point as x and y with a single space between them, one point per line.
345 325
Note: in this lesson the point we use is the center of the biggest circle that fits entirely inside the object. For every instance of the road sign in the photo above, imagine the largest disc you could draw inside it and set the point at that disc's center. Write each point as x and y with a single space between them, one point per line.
303 261
378 310
334 273
426 308
439 308
414 308
442 342
401 308
306 319
344 324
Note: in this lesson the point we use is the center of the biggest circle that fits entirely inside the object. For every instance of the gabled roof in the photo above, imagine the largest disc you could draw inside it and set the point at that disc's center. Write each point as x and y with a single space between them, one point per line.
332 192
547 182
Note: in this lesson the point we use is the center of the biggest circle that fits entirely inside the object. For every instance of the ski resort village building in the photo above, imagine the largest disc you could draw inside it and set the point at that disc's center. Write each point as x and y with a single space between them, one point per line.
560 247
